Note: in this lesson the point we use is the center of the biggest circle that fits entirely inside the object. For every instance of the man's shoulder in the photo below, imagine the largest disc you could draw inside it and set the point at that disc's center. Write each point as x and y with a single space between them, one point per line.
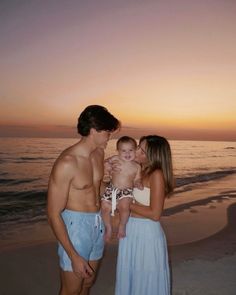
65 160
64 166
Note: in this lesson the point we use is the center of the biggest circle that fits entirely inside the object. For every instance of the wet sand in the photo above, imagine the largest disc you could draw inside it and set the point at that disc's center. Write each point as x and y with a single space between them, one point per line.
201 234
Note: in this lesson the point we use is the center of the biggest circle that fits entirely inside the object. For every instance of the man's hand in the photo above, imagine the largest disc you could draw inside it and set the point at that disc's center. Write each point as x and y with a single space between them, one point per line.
115 166
81 267
110 166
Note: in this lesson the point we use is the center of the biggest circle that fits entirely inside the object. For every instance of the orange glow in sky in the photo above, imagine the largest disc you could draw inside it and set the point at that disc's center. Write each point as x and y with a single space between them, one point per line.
168 65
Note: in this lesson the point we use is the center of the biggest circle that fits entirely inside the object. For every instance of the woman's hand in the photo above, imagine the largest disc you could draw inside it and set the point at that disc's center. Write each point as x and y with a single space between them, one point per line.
138 184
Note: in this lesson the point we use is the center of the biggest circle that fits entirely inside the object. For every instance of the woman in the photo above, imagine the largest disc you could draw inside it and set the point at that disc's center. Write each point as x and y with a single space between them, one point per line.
142 266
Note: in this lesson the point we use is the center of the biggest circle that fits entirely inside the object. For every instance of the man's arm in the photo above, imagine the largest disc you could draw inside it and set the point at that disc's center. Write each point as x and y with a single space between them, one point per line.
58 191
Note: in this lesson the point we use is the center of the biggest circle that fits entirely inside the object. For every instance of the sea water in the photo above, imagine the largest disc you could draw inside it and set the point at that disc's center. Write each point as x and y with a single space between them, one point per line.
25 165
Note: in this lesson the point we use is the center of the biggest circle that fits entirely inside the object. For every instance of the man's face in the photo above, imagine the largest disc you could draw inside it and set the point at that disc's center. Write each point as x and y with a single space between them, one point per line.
101 138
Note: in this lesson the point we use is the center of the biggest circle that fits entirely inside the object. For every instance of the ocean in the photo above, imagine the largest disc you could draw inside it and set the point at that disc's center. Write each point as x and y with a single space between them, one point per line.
25 165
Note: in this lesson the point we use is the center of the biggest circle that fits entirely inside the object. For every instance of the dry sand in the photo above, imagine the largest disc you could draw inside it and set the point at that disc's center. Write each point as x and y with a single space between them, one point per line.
201 234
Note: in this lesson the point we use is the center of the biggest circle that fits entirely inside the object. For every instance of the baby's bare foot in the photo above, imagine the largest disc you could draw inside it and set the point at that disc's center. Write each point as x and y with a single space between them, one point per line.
108 234
121 231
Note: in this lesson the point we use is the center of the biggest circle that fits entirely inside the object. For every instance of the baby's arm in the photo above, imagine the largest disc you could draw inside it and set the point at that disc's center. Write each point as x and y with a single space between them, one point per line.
138 178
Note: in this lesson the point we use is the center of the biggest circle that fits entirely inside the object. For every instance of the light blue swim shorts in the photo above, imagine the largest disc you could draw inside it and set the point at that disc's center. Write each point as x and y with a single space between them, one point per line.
86 232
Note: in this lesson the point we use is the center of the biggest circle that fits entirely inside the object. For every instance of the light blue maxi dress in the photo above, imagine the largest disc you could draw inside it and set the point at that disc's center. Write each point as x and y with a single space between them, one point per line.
142 264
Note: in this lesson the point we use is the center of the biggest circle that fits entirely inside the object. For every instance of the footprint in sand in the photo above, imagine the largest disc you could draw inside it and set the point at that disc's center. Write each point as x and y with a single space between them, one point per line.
193 211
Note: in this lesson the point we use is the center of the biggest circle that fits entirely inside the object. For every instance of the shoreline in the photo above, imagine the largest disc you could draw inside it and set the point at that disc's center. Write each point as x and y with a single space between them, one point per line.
216 242
198 214
188 217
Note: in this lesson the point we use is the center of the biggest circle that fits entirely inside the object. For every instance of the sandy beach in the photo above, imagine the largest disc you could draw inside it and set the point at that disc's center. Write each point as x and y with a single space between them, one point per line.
200 229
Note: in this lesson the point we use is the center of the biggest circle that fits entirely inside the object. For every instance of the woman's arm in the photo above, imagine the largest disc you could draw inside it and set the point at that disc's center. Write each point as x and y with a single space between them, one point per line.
157 198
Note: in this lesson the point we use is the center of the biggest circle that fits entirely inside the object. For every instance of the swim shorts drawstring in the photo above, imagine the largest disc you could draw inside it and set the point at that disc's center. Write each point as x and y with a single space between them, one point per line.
98 222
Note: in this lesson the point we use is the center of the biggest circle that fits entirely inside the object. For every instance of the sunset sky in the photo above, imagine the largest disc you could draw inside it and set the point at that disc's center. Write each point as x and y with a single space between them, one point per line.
167 66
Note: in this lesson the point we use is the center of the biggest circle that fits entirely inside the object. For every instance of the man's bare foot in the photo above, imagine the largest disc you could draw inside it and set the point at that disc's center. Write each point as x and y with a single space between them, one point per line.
121 231
108 234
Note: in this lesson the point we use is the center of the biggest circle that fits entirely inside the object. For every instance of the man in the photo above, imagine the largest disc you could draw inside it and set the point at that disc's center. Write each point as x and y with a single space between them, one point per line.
74 202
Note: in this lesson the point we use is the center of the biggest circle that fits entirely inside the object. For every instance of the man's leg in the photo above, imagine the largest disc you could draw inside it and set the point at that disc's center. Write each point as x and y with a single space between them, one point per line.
88 282
70 283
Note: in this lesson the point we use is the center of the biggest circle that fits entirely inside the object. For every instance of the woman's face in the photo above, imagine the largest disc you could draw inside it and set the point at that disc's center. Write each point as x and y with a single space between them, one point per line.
141 155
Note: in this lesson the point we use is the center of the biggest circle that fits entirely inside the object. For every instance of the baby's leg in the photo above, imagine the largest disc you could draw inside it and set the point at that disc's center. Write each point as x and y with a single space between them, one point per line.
124 212
106 216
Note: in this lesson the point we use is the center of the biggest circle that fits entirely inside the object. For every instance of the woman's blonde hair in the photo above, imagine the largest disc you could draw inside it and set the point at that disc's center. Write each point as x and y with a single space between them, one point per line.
158 154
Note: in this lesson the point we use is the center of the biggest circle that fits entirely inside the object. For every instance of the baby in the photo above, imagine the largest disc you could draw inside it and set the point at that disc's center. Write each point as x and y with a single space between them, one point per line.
120 190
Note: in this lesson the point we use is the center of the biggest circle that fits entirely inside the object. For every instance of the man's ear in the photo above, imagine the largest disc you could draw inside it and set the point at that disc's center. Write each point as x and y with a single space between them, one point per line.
93 131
